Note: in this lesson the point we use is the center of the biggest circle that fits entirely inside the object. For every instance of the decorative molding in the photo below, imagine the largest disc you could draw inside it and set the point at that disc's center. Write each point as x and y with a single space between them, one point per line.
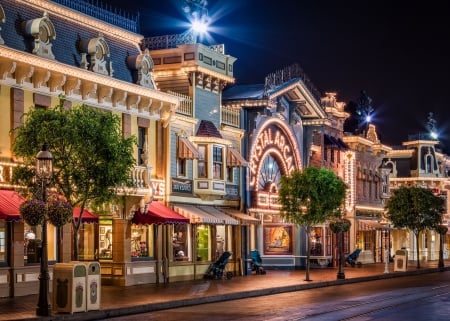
84 20
43 32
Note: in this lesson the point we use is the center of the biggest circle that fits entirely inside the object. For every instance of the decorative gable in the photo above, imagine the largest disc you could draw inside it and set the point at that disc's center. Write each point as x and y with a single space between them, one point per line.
143 66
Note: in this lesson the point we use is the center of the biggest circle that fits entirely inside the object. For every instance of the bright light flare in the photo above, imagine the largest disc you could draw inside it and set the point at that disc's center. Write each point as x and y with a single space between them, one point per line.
368 118
199 26
434 135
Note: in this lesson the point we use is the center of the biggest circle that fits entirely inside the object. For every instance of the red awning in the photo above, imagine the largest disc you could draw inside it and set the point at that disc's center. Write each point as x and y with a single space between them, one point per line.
9 205
158 214
87 217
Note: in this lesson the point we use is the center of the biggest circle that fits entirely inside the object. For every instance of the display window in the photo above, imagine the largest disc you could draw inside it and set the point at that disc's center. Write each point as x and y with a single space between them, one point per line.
105 247
278 240
33 242
224 237
87 249
181 242
203 243
142 244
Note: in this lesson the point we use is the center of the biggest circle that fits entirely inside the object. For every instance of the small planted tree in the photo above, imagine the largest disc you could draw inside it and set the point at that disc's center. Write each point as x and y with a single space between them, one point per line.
415 208
91 157
311 197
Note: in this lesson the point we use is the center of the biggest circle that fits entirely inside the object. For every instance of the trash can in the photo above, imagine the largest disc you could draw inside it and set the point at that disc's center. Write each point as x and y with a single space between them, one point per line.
401 260
69 287
93 286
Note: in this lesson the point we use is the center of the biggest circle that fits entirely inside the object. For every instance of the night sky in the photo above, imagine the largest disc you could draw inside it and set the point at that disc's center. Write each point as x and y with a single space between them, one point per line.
395 50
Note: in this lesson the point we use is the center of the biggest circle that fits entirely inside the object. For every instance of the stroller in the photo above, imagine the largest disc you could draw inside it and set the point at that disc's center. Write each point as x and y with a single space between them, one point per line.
256 262
217 270
352 257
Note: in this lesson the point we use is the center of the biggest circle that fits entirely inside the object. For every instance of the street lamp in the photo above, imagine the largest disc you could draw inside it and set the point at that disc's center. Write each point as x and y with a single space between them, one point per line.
44 169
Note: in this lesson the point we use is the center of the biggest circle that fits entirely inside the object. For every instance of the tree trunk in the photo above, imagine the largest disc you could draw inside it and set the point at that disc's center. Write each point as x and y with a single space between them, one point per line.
308 253
341 261
441 251
417 249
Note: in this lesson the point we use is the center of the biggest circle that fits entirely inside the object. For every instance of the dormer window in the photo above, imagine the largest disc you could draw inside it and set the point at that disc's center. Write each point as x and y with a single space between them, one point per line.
94 53
142 66
43 31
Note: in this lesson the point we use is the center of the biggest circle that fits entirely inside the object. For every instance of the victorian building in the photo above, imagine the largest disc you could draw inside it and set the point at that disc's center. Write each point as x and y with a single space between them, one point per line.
419 162
90 56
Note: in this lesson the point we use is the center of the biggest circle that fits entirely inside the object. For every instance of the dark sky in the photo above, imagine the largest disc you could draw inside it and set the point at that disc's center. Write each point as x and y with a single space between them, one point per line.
395 50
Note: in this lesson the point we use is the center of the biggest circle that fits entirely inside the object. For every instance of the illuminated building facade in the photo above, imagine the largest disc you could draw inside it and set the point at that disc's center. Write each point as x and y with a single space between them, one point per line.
420 163
368 183
48 49
284 121
203 164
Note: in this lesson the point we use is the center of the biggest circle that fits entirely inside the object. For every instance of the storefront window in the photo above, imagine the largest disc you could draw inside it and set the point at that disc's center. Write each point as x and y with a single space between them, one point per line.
181 242
203 243
87 249
316 240
33 241
224 237
2 242
142 241
278 240
105 245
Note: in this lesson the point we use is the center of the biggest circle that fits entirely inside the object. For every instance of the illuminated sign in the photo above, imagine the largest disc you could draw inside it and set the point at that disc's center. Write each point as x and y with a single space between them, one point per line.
272 140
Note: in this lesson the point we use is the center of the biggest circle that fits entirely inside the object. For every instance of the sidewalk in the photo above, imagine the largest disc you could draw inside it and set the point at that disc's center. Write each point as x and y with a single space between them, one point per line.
118 301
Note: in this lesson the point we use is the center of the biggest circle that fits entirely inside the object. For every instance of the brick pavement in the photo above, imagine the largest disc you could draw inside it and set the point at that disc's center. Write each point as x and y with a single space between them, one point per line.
119 301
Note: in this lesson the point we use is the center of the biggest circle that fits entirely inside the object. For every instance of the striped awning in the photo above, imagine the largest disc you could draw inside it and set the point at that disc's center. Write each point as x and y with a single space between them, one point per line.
234 158
243 218
228 220
196 215
368 225
186 149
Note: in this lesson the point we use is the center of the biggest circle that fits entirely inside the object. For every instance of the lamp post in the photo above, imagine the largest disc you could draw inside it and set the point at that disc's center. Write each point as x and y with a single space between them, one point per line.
44 169
387 249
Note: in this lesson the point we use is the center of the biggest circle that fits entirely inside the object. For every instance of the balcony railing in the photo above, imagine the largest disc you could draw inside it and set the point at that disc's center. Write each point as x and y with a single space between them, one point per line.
186 105
231 116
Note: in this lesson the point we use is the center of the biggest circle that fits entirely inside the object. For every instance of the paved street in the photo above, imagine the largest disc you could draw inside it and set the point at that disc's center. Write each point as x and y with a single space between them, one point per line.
120 301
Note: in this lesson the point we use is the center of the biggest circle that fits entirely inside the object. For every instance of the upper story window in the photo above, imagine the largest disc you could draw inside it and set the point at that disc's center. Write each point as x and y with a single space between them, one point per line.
142 145
202 164
217 162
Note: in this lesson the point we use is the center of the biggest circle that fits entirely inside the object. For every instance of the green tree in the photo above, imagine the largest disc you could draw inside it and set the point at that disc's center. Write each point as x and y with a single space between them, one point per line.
91 157
310 197
415 208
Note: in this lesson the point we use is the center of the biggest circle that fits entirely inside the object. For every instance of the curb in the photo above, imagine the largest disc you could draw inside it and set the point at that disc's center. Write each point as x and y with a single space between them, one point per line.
151 307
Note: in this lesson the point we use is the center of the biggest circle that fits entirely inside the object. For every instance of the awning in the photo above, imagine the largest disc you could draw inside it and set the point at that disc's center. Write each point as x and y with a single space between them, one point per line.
243 218
86 218
186 149
219 214
234 158
335 142
158 213
9 205
196 215
367 225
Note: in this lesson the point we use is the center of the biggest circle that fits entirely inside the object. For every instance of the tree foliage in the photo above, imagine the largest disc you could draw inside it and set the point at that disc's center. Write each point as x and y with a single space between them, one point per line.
415 208
311 197
90 155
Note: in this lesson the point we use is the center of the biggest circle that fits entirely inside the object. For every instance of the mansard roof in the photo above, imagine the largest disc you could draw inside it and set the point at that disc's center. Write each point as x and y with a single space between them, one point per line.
70 30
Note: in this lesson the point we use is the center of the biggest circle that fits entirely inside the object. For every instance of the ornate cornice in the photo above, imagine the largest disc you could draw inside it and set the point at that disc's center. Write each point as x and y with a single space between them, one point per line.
84 20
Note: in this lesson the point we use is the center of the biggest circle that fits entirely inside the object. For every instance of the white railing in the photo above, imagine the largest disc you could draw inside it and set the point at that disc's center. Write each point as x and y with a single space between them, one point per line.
186 105
231 116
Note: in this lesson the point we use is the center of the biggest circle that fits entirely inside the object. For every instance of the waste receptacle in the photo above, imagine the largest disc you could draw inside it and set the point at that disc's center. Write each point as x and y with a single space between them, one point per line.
401 260
69 287
93 286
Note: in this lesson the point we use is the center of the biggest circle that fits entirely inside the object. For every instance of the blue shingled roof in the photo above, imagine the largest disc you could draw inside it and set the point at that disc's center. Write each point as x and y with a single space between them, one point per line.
252 91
